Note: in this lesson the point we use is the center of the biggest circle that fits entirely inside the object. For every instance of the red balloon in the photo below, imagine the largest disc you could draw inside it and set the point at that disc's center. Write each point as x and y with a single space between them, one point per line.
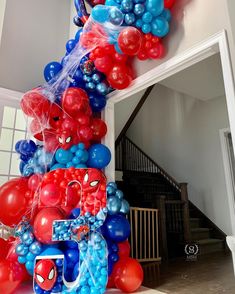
75 101
85 133
34 104
169 3
4 248
122 58
124 249
50 195
130 40
43 223
11 275
55 115
157 51
34 182
128 275
119 78
13 201
99 128
104 64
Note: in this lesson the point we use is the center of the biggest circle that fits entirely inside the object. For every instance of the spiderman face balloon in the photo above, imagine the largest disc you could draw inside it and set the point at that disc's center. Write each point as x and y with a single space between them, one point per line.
45 274
92 179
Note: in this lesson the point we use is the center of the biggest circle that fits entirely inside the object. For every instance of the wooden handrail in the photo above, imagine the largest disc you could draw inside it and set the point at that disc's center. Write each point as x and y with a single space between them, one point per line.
162 171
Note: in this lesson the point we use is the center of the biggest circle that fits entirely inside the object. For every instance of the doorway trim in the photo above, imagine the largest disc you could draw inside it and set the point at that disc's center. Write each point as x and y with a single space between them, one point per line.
228 174
217 43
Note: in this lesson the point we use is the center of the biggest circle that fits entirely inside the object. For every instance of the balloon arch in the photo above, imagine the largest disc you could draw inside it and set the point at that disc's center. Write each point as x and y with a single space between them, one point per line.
68 227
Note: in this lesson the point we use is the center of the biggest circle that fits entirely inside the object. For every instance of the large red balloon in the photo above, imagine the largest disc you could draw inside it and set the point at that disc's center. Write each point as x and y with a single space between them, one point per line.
43 223
75 101
11 275
4 248
128 275
104 64
130 41
119 77
34 104
13 201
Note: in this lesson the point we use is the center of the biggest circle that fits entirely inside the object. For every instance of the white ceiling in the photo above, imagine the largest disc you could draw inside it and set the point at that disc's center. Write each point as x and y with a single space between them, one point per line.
203 80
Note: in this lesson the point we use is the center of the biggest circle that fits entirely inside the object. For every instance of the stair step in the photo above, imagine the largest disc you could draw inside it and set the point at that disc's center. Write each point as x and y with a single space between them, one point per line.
200 233
207 246
195 222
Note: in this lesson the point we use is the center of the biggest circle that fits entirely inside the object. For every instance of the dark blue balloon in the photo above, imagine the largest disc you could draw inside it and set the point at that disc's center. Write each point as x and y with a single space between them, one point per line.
17 146
51 70
116 228
21 166
78 35
110 266
75 213
99 156
72 257
70 45
76 271
97 102
71 244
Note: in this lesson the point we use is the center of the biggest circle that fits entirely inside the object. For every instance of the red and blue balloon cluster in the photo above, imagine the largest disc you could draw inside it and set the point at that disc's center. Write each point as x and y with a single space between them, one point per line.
69 227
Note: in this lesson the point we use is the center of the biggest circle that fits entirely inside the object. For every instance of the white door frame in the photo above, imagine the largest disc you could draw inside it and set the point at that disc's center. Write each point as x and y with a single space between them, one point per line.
217 43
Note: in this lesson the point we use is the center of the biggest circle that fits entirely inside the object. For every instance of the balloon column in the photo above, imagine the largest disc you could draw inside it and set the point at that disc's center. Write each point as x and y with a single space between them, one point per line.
69 227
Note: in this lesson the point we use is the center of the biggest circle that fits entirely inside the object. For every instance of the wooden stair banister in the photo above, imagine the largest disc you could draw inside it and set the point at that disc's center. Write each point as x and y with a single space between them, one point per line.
186 217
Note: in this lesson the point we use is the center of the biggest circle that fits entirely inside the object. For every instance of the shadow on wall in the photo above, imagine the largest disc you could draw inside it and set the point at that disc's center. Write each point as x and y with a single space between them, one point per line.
177 25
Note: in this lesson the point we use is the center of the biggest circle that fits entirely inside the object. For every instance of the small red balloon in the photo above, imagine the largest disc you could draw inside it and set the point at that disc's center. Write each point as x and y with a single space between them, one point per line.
50 195
104 64
99 128
4 248
119 78
128 275
74 101
34 182
43 223
156 51
130 40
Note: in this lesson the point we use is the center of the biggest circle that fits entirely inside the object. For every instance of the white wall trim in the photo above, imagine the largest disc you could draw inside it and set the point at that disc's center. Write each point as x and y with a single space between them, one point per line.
228 178
214 44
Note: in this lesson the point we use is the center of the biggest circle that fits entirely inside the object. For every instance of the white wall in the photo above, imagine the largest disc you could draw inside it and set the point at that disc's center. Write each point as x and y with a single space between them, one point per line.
124 109
34 33
181 133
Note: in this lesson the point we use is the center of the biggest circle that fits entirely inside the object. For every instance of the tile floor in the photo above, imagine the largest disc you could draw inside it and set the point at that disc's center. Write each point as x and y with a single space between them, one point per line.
209 275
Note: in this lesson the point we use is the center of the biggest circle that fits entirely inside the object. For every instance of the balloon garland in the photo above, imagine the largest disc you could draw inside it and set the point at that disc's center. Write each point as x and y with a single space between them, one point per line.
69 227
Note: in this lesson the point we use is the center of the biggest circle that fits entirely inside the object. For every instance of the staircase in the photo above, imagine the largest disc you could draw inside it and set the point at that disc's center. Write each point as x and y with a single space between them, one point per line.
148 185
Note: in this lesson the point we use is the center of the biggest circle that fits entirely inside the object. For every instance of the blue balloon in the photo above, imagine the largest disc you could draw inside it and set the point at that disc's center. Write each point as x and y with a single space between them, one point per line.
116 228
125 207
63 156
102 88
119 194
78 34
146 28
116 16
111 3
70 45
96 78
51 70
139 9
76 271
155 7
51 251
75 213
100 13
99 156
139 23
97 102
90 86
126 5
160 27
166 14
129 18
147 17
72 257
114 205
